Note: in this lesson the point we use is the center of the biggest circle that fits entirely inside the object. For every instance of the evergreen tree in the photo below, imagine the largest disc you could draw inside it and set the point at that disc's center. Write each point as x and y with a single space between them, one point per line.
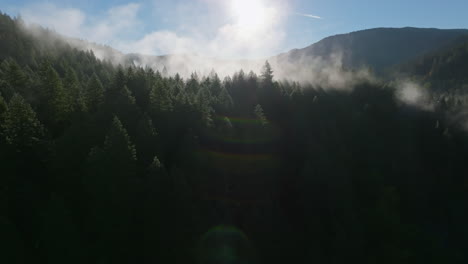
94 94
138 82
215 84
258 111
117 156
118 95
21 128
146 140
160 100
165 72
3 107
119 101
203 101
76 99
110 183
267 73
193 84
54 108
15 77
117 144
224 101
177 86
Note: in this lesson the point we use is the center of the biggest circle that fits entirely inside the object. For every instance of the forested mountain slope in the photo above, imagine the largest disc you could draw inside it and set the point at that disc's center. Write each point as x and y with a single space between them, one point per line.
112 164
378 48
445 69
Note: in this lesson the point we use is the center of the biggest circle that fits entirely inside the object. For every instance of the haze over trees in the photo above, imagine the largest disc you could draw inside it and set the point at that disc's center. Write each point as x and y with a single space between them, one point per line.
122 164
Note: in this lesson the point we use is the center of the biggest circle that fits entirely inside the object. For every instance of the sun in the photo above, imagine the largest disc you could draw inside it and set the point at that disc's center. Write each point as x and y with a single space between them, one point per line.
249 14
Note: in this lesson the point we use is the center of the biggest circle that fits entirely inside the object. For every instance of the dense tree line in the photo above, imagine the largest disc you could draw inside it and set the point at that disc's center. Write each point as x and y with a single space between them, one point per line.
106 164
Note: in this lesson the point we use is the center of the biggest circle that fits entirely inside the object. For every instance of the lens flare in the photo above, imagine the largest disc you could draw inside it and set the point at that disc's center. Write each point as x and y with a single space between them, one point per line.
225 244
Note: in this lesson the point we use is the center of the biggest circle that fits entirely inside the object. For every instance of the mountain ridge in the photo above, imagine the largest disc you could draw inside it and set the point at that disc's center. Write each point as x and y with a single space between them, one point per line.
357 52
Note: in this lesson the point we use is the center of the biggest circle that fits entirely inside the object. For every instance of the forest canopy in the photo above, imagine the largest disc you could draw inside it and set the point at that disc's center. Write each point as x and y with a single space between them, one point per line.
123 164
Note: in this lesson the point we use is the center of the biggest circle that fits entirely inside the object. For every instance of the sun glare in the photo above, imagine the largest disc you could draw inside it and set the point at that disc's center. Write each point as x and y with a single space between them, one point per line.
249 14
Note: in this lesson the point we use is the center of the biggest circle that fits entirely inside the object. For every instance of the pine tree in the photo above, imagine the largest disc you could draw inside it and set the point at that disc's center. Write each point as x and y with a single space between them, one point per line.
21 128
215 84
260 115
76 100
15 77
224 101
193 84
111 167
267 73
3 111
160 100
3 107
203 100
118 94
145 140
165 72
94 94
54 107
117 143
177 86
138 82
109 181
119 101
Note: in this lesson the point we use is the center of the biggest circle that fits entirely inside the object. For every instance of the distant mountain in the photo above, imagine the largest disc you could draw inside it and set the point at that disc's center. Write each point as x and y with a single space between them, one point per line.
411 50
443 69
378 48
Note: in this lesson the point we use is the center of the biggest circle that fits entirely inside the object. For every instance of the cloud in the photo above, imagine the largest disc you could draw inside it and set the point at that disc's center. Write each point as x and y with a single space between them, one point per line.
204 27
117 21
219 37
320 71
411 93
309 16
163 42
66 20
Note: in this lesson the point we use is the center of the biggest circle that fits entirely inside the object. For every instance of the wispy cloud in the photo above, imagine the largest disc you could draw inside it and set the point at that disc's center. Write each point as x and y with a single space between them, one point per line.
123 28
107 29
309 16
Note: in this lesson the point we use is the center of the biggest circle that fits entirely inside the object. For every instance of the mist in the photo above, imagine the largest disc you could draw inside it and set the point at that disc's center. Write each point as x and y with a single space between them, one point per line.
224 40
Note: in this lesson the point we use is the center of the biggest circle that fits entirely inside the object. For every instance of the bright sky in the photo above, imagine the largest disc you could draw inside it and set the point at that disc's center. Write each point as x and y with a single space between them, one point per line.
229 28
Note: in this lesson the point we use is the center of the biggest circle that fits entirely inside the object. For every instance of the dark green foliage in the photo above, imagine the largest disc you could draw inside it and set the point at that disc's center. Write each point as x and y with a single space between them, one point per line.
20 126
109 181
193 84
146 140
60 239
54 109
15 78
260 115
12 250
94 94
160 100
76 98
117 143
443 71
3 107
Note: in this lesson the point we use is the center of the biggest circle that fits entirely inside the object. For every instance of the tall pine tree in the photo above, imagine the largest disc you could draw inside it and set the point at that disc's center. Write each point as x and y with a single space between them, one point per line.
21 128
94 94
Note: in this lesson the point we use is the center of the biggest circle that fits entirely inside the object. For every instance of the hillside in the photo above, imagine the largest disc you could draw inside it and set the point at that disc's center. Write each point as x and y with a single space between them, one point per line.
443 69
101 163
378 48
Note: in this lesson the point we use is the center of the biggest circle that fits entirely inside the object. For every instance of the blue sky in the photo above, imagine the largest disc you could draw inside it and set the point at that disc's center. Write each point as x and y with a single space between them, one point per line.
229 28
